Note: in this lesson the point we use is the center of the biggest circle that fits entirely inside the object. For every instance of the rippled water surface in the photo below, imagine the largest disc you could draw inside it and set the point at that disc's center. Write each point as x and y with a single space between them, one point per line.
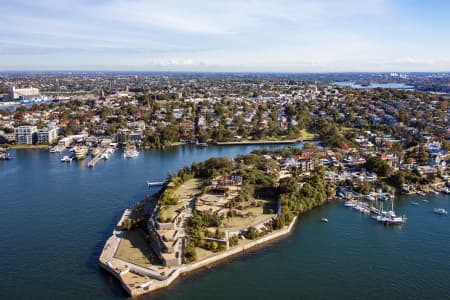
55 218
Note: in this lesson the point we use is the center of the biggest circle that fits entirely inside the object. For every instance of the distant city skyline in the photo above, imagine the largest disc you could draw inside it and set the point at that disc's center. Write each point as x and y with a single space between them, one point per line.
229 36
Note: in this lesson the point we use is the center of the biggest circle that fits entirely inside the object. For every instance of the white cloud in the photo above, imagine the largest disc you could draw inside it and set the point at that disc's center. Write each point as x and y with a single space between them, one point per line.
193 16
302 35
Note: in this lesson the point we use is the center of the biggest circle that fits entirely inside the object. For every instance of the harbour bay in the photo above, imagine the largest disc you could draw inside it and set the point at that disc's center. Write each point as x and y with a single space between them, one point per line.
55 219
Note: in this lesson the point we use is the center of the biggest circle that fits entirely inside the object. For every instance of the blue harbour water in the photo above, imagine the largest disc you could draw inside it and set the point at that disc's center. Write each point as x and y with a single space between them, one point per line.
55 218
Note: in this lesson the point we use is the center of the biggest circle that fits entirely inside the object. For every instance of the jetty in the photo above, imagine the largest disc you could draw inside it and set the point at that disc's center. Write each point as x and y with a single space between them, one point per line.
155 183
93 162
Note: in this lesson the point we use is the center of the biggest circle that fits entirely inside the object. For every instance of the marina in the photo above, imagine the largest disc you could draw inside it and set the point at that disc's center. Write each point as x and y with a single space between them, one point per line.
380 207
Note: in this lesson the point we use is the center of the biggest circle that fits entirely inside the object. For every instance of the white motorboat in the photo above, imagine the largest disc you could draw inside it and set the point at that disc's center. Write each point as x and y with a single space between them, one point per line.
440 211
66 159
370 198
350 203
131 153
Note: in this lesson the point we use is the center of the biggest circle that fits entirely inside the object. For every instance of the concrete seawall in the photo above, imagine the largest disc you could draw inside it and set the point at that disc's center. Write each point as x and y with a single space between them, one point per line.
154 284
239 249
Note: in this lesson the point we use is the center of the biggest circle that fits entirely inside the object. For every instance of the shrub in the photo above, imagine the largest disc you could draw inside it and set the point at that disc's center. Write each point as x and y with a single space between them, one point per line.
234 240
252 233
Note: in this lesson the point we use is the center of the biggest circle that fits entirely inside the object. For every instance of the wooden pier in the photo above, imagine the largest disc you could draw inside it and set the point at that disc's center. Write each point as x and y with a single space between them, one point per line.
154 183
96 159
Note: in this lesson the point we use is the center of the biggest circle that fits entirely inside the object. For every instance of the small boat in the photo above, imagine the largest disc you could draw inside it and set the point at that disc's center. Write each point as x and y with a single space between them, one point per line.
396 220
130 153
5 156
445 191
362 207
324 220
414 203
389 218
425 200
107 153
56 149
440 211
370 198
350 203
66 159
421 193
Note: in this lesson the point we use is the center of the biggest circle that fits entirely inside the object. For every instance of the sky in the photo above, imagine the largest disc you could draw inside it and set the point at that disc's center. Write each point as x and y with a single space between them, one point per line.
227 35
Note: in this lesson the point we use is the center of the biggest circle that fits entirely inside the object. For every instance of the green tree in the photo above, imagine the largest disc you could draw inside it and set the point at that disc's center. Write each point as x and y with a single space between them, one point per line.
378 166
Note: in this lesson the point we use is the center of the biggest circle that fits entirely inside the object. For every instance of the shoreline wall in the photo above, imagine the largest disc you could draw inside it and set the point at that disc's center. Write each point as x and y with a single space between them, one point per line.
185 269
239 249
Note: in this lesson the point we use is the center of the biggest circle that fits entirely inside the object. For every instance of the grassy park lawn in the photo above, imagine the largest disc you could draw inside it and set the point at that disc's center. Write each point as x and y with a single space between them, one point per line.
257 216
188 189
203 253
185 191
306 134
170 211
135 249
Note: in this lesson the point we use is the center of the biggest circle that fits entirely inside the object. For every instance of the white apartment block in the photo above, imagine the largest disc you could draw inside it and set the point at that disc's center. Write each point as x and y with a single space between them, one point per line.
47 135
26 134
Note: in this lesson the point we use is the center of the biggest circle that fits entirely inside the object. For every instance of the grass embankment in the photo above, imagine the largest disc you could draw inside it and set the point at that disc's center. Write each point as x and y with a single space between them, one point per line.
175 144
184 192
22 146
256 216
188 189
135 249
306 135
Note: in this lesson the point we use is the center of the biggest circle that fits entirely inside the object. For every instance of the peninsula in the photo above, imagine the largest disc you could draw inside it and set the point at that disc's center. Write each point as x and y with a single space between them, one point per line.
207 213
222 207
